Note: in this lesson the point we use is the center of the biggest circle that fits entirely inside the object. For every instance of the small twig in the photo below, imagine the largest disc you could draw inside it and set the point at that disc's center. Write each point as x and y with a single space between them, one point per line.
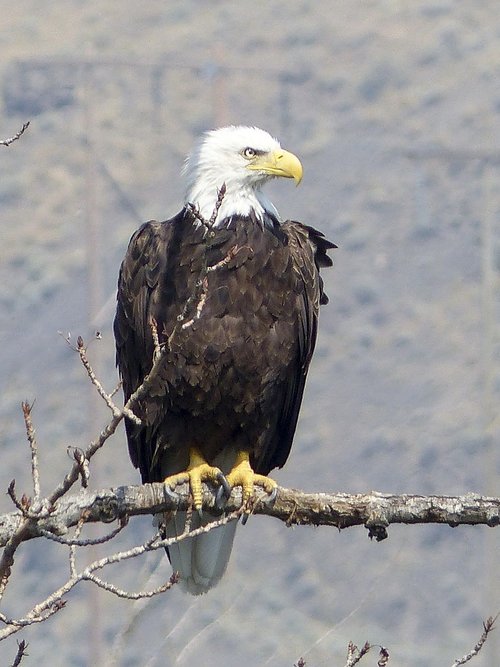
72 548
194 210
354 654
383 657
83 465
140 595
199 306
116 389
8 142
30 433
22 505
27 508
14 625
82 351
85 543
230 255
156 340
169 541
220 198
487 628
21 652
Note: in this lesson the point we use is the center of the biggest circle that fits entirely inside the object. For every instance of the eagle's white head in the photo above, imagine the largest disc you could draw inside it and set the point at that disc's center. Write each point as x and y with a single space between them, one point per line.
242 158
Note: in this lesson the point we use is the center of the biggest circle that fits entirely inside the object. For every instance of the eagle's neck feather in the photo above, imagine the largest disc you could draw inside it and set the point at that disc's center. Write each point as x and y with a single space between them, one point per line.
239 200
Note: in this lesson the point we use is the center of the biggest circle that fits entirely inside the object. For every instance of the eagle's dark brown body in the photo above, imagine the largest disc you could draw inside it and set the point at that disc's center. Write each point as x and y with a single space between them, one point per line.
234 376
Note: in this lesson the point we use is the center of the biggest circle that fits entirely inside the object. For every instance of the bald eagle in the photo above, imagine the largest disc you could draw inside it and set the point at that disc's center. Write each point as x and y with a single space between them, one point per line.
235 294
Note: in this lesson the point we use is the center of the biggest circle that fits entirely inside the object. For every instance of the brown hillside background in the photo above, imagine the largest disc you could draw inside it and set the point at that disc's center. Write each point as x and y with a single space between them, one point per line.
393 108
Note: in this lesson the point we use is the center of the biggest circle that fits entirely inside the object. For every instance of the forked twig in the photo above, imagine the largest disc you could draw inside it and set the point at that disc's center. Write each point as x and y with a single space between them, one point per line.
208 224
83 465
354 654
487 628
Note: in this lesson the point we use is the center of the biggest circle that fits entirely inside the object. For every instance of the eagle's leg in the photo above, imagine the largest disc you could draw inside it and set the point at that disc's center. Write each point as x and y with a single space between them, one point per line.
242 475
198 471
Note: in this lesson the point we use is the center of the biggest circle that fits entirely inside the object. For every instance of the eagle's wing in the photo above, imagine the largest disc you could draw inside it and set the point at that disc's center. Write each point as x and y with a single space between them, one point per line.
309 251
138 286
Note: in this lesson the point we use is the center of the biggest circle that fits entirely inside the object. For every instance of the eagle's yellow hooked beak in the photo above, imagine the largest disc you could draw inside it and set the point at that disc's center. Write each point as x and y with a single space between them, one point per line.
278 163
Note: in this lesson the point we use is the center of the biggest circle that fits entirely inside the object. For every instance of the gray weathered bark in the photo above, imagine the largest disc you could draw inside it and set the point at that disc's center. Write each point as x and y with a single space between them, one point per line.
373 510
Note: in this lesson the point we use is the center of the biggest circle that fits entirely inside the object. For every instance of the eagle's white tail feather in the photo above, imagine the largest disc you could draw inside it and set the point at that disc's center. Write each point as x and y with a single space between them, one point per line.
202 560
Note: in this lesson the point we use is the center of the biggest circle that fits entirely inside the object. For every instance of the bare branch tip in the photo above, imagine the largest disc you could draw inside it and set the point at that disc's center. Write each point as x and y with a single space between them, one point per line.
383 657
22 505
488 626
21 652
221 193
8 142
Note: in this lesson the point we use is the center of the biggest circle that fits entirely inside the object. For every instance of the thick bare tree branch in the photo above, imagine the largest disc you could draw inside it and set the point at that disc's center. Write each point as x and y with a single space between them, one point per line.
374 510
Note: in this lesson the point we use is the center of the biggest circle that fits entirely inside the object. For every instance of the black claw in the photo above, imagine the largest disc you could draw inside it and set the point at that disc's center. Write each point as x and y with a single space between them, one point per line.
224 485
223 492
271 497
170 494
245 518
222 496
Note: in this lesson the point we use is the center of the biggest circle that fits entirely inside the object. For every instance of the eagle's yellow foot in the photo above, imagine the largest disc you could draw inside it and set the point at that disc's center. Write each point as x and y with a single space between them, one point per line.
243 475
197 472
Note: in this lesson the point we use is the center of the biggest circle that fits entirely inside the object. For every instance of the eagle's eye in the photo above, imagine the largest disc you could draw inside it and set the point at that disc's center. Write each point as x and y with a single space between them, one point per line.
249 153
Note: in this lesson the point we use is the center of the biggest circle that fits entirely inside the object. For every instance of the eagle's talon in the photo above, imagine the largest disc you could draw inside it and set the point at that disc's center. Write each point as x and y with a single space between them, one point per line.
197 472
243 475
169 493
252 502
222 497
271 497
224 487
